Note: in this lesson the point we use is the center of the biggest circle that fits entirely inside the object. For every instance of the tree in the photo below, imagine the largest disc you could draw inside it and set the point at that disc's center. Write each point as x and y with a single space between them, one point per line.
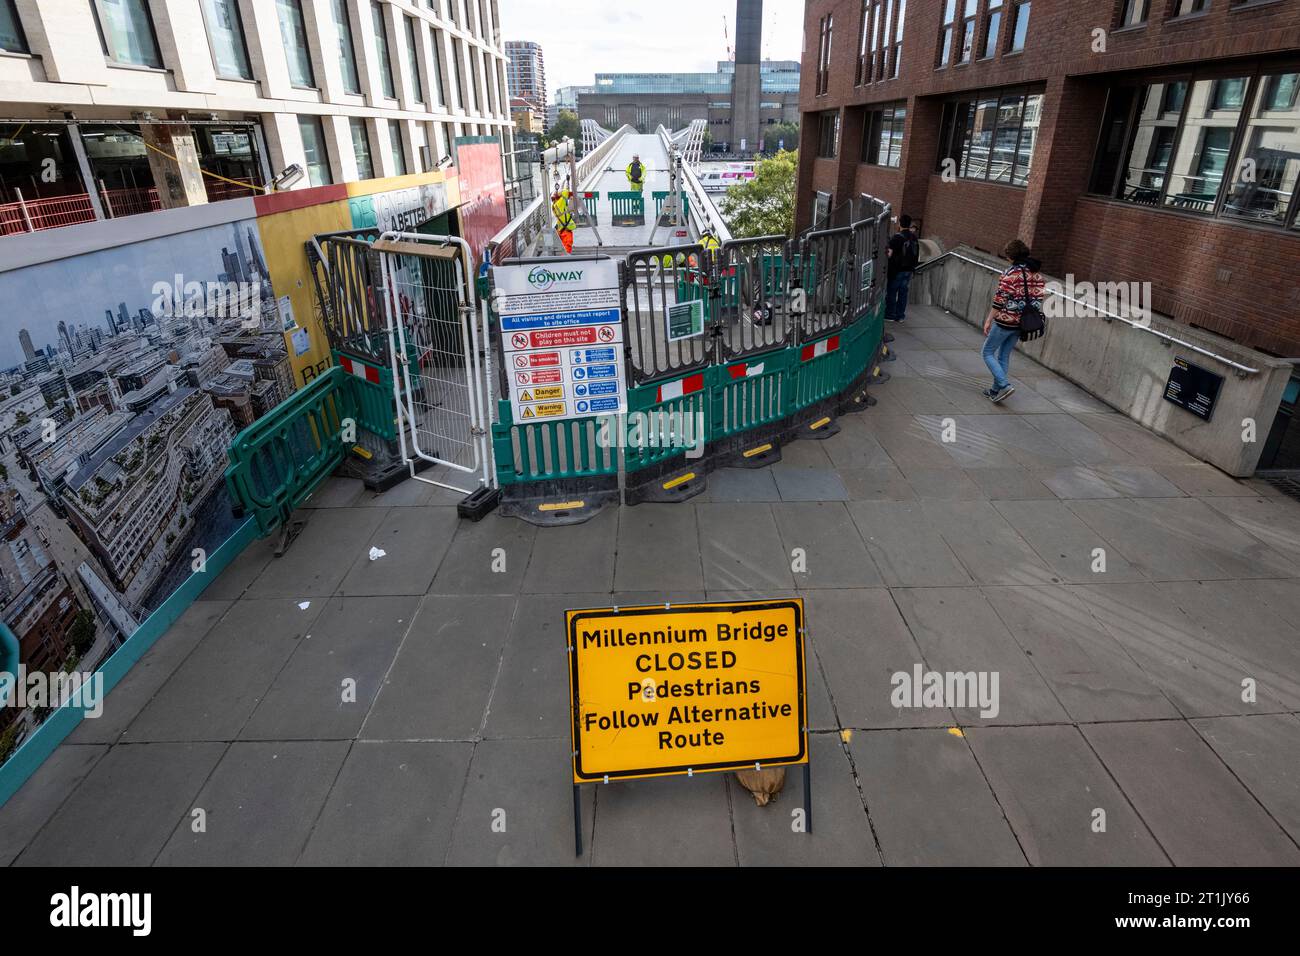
706 144
566 124
4 473
21 419
778 133
763 206
82 632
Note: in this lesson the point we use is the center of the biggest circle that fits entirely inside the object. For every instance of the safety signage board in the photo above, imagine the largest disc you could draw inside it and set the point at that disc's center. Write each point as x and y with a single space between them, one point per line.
562 338
671 689
685 320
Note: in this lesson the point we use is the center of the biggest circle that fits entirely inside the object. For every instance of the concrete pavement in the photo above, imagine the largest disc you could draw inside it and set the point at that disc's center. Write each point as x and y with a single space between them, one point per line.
1147 712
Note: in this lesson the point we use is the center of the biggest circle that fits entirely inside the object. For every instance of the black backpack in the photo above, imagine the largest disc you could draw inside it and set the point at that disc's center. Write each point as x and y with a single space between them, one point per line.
911 253
1033 323
638 171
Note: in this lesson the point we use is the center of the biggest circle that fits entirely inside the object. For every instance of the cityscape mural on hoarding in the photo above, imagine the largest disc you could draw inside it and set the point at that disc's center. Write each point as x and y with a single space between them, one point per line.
115 418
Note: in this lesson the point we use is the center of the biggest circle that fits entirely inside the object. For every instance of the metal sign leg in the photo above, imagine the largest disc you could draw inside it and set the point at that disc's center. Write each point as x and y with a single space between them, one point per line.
807 795
577 821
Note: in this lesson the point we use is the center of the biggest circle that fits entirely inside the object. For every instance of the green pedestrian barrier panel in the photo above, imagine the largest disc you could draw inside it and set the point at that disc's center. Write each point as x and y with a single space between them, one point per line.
627 209
665 435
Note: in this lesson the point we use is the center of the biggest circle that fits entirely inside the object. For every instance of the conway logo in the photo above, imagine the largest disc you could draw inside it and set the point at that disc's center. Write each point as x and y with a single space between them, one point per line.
542 278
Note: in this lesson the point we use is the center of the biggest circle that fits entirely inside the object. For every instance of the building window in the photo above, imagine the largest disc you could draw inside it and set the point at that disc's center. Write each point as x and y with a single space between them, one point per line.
1132 13
946 33
440 95
126 32
293 31
12 38
347 51
828 134
396 148
864 31
824 55
472 54
882 135
896 57
1220 146
881 43
413 59
1019 25
459 86
226 33
967 49
992 27
361 148
990 135
381 48
1184 8
313 147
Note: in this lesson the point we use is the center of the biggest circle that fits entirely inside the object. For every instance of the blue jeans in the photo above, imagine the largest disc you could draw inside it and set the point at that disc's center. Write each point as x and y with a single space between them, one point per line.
896 296
997 353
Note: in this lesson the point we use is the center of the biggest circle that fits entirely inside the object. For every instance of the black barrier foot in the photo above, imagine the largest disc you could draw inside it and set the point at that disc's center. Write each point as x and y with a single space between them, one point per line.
879 377
288 532
674 486
759 456
887 337
821 429
479 503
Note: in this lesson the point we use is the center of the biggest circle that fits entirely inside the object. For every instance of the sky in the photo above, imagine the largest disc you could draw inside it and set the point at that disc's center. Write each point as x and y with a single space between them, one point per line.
580 38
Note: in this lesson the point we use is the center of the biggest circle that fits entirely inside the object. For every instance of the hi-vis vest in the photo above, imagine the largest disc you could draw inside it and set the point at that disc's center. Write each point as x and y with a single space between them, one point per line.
709 242
640 170
563 220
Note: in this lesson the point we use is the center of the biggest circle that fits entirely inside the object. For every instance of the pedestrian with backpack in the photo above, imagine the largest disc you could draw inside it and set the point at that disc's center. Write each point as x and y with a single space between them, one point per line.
1016 315
904 252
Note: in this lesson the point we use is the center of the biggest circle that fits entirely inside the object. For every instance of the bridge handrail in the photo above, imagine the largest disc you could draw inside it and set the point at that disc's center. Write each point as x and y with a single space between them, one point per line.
702 207
534 218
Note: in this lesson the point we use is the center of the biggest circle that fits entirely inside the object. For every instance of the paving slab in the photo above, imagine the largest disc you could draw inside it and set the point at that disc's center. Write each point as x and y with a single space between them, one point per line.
841 834
1050 785
1264 754
123 811
986 544
1204 481
1087 445
742 548
1171 539
861 642
1091 673
246 568
929 801
1258 636
1078 481
1199 812
834 555
1177 653
658 548
44 792
440 683
574 557
797 483
489 556
406 821
1274 521
319 558
336 492
1138 481
1138 443
855 446
212 693
414 542
138 686
354 640
1008 484
741 484
260 803
878 483
527 786
807 453
1065 543
968 446
943 484
663 821
958 631
907 548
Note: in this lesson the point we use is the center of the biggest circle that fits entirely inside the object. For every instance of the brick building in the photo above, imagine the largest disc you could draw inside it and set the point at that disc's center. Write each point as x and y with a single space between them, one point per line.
1125 141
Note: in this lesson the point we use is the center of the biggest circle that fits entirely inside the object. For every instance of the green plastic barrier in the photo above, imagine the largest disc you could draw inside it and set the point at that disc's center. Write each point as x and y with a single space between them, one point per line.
547 450
626 205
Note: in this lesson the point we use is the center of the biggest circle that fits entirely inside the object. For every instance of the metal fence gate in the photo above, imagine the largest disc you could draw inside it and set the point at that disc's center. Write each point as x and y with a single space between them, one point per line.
441 364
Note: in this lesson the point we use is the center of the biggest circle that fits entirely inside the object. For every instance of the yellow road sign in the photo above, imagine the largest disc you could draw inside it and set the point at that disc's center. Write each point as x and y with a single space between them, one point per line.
661 690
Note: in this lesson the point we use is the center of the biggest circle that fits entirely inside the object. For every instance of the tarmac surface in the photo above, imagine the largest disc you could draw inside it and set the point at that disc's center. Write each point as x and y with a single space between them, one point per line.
1126 731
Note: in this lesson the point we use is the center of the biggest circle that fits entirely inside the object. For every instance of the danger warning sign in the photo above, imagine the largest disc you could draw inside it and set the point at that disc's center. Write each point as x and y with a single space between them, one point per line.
663 690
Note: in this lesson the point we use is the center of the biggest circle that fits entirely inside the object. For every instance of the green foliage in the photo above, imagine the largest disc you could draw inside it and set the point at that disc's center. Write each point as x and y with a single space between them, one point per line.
763 206
778 132
82 633
21 419
566 124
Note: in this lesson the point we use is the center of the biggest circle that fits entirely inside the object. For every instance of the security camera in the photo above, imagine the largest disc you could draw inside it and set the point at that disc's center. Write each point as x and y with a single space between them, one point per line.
290 175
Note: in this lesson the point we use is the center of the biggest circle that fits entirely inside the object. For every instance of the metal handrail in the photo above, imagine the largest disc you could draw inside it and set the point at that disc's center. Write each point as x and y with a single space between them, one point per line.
700 202
534 218
1242 369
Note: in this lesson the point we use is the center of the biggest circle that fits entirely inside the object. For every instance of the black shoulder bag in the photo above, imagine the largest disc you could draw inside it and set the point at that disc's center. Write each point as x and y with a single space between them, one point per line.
1033 323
